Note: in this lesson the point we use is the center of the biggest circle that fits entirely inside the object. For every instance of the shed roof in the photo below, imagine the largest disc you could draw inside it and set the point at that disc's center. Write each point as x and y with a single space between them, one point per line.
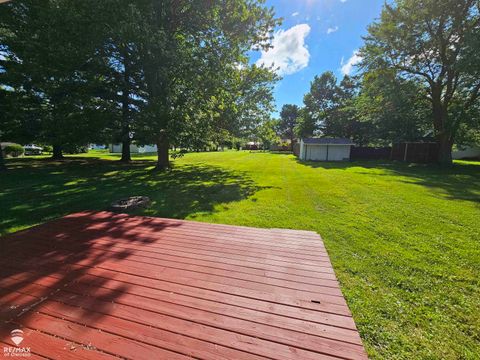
328 141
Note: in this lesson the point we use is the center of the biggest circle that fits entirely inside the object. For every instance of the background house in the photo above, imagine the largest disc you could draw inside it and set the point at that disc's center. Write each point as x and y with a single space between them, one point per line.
134 149
467 152
97 147
325 149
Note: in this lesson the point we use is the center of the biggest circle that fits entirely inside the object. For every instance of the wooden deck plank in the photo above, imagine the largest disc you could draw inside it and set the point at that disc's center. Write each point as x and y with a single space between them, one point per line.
178 306
199 266
190 240
319 272
97 277
47 346
87 337
201 279
170 289
146 276
253 257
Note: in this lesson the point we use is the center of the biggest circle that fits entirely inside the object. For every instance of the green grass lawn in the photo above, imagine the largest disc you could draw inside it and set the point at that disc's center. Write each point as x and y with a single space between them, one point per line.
404 240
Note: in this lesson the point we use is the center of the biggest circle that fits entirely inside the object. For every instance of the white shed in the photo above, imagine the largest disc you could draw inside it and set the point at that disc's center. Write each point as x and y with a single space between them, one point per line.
325 149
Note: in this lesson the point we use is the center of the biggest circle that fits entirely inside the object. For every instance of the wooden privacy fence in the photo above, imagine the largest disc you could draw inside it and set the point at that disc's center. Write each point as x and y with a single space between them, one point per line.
296 149
370 153
276 147
415 152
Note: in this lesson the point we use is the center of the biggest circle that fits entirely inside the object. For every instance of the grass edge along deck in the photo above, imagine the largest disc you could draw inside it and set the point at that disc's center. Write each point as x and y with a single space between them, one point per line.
101 285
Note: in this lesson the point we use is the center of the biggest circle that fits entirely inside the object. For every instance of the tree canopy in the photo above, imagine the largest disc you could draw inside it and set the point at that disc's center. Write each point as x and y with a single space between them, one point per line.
436 44
47 64
177 73
419 77
153 71
289 116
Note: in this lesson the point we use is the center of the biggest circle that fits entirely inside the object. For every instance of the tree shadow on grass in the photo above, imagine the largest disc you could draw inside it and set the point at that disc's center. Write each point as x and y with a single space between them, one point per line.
67 275
459 182
35 191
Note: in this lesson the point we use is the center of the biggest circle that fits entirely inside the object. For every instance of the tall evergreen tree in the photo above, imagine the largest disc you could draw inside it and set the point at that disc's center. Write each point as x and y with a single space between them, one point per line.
121 69
48 47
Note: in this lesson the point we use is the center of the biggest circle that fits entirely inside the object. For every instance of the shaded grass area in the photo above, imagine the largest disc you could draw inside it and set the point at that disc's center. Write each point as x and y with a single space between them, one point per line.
404 240
36 190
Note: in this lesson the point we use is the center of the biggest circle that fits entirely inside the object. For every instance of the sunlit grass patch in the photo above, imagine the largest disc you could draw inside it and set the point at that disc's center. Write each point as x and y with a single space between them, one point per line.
403 239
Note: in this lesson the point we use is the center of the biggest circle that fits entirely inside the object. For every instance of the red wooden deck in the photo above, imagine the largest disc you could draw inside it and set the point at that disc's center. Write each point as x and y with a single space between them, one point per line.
103 285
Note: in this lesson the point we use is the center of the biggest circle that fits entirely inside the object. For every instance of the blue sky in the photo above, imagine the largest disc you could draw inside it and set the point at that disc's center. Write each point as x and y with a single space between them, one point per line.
315 36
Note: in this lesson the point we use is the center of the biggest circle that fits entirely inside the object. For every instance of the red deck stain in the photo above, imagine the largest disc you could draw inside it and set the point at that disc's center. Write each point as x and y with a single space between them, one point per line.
97 285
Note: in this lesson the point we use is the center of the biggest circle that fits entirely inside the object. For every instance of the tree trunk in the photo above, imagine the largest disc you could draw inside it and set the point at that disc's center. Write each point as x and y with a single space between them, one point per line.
163 162
126 156
126 141
3 167
57 152
445 151
440 121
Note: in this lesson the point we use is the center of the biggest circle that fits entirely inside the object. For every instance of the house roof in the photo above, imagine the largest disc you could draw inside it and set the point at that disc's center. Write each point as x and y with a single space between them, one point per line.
328 141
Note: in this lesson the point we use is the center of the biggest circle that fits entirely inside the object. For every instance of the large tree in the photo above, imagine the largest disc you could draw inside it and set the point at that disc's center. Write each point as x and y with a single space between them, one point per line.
120 68
306 125
436 43
18 117
320 101
48 48
392 108
341 119
289 116
247 100
188 52
6 122
266 134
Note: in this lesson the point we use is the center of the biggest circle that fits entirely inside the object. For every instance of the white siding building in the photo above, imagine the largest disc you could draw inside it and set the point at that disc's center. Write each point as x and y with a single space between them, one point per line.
325 149
466 152
134 149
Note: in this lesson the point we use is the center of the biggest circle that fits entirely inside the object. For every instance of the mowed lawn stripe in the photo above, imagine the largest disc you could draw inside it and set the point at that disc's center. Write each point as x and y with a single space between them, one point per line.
403 239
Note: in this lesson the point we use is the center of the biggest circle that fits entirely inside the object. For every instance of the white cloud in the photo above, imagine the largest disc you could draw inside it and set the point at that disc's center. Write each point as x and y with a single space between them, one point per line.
343 1
288 53
332 29
296 13
355 59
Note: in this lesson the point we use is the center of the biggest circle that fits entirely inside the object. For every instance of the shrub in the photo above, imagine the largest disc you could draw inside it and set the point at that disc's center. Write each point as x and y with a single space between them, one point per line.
13 150
74 149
